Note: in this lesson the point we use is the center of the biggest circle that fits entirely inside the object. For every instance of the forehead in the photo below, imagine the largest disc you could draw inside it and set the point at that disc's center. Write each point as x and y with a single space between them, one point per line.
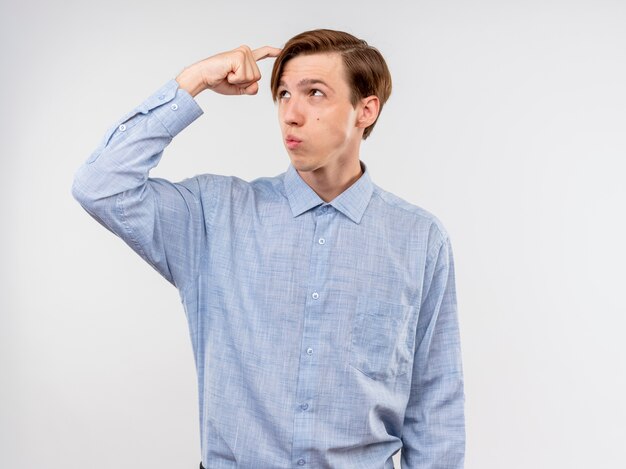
328 67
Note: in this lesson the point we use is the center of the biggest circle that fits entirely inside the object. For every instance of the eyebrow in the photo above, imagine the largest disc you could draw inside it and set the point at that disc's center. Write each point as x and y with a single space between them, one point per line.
308 81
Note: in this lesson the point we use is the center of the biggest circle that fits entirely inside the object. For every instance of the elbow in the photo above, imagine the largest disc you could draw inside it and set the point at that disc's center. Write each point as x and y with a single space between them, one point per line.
80 191
87 191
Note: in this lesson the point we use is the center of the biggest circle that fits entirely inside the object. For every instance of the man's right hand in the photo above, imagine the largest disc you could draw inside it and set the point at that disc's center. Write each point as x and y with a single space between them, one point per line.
231 72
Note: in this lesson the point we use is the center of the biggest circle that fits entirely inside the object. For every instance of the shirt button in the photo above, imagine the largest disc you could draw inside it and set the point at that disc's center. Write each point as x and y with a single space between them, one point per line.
309 351
162 97
174 106
122 127
315 295
304 406
324 208
321 241
301 462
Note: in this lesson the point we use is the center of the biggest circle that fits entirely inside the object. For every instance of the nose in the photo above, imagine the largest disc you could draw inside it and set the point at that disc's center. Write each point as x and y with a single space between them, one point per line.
292 112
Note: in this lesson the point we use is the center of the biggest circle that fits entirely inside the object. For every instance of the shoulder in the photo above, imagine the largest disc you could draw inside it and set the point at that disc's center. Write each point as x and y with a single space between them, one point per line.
421 219
234 183
236 189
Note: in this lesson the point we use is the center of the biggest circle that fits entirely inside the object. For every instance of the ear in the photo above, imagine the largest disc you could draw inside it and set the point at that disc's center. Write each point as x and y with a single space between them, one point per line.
368 111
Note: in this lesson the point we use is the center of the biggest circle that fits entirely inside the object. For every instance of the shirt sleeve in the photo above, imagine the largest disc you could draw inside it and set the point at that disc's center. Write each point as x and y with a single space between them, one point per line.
434 424
160 220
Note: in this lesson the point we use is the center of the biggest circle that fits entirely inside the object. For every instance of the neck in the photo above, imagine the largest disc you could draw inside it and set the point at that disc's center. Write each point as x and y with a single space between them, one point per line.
329 183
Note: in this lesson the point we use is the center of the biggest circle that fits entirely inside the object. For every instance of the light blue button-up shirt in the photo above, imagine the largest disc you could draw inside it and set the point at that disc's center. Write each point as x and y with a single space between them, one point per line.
325 335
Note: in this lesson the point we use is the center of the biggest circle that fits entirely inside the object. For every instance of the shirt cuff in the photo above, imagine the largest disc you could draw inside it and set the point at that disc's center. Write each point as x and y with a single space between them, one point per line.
173 106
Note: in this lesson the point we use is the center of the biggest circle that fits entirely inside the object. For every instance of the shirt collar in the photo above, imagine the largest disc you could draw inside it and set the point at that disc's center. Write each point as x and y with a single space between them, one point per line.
351 202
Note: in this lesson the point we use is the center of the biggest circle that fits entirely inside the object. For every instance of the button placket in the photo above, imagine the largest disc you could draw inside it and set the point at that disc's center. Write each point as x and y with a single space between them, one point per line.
310 367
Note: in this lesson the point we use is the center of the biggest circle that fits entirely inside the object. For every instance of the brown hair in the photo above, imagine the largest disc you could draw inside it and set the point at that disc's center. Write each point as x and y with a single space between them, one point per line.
366 69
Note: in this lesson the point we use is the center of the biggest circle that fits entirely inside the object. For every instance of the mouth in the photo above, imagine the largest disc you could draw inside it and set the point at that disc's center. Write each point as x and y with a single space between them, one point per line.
292 142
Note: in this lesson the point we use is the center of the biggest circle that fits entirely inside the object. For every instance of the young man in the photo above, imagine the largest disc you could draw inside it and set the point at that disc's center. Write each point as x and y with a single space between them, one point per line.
322 308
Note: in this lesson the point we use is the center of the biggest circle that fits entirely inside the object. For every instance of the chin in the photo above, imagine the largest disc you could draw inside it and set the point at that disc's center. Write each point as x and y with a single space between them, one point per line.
299 164
296 158
304 161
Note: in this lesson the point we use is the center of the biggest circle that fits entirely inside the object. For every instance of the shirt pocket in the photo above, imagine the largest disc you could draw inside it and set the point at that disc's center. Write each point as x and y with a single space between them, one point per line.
381 341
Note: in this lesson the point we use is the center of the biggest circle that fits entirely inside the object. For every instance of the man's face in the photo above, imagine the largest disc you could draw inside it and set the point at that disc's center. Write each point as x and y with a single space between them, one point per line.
314 107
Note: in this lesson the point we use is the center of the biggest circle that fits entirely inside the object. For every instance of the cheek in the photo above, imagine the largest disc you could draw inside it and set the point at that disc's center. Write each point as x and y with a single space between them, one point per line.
333 127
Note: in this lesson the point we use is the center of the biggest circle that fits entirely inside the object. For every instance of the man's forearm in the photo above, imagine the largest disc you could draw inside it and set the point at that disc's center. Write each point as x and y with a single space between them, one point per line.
136 142
134 145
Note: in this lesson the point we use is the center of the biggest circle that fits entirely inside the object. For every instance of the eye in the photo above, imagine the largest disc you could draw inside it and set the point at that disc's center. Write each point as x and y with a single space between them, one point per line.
281 94
316 90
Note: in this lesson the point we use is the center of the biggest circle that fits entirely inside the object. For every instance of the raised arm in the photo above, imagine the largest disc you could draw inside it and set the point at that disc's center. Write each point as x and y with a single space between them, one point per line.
164 222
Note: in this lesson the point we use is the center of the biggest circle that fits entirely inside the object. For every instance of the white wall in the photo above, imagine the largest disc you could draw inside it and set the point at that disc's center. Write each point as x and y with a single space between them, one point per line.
506 120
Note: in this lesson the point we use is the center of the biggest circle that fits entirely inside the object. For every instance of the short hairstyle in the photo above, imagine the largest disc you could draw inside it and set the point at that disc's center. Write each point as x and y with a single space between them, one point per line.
366 69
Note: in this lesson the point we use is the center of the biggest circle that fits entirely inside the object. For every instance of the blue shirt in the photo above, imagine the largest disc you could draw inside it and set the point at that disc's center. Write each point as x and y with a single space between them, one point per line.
325 335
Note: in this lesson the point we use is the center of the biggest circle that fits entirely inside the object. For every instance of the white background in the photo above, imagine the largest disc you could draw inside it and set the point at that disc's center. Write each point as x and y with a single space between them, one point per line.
507 120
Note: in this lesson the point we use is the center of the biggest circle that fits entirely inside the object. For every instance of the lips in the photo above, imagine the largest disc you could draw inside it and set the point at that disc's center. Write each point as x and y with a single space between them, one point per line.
291 138
292 142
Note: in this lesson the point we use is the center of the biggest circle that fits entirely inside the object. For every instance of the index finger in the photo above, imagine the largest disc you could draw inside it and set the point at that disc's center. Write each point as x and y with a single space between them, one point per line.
264 52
